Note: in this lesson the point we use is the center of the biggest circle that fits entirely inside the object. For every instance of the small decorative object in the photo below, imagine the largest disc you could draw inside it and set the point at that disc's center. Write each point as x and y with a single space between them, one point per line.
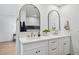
66 27
54 31
14 37
53 28
46 31
38 34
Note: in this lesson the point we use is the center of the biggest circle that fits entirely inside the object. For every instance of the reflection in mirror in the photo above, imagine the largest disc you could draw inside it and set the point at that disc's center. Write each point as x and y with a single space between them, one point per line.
29 16
54 21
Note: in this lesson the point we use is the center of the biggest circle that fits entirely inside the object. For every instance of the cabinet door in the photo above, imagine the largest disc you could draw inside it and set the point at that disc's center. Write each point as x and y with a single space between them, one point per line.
66 45
43 50
30 52
35 48
60 46
37 51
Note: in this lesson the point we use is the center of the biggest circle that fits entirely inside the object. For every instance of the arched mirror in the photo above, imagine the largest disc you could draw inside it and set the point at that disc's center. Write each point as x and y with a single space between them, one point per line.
29 16
54 21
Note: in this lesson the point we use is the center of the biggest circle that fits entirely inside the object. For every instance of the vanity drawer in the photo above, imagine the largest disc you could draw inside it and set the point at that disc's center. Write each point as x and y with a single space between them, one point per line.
53 51
35 45
67 42
53 43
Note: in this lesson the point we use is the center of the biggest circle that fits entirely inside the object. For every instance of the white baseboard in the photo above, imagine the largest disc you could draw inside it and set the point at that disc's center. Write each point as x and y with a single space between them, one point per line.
5 40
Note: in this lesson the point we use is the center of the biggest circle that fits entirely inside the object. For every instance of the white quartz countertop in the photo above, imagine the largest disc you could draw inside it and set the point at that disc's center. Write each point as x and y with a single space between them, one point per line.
24 40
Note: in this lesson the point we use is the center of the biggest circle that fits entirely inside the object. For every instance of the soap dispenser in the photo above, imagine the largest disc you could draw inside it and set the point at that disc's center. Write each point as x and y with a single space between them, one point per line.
38 34
24 27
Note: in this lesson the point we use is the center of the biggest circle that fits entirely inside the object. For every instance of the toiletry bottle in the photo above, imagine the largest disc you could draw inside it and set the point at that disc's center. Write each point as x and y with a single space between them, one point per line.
24 27
38 34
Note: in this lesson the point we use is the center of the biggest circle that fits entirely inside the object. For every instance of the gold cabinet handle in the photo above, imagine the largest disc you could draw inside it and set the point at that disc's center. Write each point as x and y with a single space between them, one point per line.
54 49
36 52
64 43
39 51
53 42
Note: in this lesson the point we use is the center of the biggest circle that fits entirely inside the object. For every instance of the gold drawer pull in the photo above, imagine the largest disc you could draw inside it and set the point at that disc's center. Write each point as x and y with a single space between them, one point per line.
53 42
39 51
54 49
36 52
64 43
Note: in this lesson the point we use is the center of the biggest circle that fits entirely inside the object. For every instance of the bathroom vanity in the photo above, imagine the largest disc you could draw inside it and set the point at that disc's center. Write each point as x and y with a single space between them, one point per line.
45 45
53 44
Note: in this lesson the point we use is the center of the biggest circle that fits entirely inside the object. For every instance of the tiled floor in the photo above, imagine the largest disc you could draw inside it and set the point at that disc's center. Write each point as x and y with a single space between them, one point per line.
7 48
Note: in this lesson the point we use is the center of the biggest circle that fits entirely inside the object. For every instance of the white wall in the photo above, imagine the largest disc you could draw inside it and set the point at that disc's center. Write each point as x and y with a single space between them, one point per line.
8 17
71 13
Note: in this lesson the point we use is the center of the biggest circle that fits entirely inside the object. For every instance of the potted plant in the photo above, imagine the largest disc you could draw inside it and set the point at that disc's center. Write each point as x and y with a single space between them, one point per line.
46 31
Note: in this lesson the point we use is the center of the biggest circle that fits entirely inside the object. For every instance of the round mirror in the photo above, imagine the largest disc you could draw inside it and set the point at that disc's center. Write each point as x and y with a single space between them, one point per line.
29 18
54 21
